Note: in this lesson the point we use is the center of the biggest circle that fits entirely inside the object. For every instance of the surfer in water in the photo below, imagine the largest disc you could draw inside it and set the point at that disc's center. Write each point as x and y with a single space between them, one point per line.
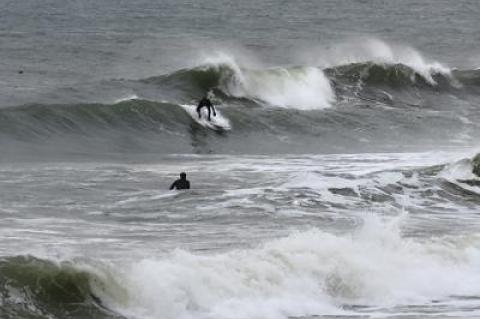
205 102
181 183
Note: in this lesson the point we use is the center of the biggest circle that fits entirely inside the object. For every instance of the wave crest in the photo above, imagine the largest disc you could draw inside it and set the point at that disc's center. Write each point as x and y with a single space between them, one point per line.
31 286
293 87
305 274
393 75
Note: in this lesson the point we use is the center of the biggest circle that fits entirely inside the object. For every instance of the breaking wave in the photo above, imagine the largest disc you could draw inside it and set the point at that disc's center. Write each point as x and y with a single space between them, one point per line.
305 274
311 87
389 75
360 51
303 88
362 103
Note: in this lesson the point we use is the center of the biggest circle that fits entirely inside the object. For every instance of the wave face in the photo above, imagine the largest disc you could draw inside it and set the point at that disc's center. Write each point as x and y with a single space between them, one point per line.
396 101
390 75
143 127
38 288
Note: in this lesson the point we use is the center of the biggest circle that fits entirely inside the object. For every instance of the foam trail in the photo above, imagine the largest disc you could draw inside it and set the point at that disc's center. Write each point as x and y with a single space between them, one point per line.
305 274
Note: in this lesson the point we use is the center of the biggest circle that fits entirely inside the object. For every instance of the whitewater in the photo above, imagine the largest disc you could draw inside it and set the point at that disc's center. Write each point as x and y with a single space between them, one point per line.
338 183
319 235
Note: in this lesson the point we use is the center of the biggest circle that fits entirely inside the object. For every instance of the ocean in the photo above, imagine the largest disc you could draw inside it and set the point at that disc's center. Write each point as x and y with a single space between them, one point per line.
338 185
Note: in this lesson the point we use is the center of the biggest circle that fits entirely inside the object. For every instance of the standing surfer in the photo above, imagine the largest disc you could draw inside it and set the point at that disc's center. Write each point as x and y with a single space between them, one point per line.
205 102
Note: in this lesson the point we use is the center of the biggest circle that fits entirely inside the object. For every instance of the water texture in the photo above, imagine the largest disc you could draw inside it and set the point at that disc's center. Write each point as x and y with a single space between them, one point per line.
340 185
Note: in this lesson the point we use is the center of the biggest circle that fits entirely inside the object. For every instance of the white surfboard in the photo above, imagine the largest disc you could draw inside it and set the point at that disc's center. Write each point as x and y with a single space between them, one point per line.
217 123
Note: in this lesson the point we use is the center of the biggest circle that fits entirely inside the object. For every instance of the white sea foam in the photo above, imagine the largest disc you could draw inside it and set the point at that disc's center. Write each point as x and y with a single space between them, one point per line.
305 274
460 169
297 87
459 172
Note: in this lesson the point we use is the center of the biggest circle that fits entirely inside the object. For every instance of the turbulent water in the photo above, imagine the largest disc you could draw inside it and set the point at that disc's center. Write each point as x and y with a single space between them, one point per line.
340 186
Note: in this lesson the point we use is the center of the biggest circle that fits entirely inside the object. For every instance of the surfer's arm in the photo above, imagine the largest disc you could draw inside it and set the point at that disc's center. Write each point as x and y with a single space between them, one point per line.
188 185
214 112
173 185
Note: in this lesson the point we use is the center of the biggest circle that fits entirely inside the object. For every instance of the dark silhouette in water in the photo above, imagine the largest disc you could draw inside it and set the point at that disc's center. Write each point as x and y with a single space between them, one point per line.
205 102
476 165
181 183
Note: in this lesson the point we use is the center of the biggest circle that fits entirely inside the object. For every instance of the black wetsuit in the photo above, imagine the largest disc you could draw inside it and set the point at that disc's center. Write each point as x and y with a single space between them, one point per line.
181 183
205 102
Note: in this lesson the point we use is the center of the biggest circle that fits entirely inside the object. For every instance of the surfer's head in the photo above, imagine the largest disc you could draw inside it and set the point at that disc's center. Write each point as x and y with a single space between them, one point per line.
183 175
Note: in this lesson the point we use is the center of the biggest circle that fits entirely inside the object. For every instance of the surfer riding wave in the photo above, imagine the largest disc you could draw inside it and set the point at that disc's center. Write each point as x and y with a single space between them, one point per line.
205 102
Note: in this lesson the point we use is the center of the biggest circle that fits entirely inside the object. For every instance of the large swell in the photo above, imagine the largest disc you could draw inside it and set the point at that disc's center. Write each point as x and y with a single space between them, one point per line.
363 102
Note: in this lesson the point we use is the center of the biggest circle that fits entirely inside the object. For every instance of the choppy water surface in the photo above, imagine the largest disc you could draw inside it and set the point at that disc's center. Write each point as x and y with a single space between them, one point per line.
340 187
257 236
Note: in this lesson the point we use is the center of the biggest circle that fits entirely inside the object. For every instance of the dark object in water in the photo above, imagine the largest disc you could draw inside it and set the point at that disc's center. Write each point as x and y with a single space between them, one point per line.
181 183
476 165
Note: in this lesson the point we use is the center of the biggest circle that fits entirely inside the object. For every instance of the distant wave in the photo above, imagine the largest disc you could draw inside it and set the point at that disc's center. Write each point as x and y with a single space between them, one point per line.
391 75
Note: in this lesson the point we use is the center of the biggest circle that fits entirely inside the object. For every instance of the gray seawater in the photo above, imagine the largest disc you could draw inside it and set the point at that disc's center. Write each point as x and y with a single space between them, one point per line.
341 185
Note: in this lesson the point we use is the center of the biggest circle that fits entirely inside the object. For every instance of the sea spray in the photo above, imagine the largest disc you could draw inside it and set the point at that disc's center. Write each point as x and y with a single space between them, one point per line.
307 273
293 87
375 51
